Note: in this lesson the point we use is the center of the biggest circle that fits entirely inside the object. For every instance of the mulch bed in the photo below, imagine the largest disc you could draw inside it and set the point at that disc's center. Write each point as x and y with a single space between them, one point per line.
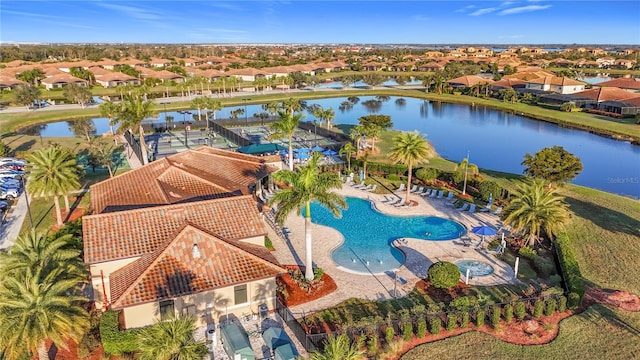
617 298
297 295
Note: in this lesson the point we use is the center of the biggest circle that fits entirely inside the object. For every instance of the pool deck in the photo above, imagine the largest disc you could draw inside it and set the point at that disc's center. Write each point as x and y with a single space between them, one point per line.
420 254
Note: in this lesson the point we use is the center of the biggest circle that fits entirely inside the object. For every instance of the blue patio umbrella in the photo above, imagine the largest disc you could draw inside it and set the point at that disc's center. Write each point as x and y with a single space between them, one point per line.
302 155
483 231
317 148
302 150
329 152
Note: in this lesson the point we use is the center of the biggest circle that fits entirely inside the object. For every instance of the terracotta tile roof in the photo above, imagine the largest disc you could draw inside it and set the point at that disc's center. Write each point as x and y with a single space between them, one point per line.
62 78
470 80
508 83
176 269
623 83
9 81
191 175
555 80
133 233
604 94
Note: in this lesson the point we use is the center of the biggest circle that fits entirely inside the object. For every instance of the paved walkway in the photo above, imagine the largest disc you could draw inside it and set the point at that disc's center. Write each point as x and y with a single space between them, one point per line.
10 228
420 254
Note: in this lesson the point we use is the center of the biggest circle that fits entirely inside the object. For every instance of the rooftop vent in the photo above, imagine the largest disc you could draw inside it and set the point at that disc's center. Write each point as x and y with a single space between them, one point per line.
195 251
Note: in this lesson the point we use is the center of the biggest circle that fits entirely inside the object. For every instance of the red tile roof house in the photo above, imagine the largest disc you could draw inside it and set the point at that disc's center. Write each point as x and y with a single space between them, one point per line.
181 235
559 85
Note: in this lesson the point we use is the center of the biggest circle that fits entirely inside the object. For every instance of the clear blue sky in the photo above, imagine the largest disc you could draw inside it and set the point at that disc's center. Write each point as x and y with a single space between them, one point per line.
328 21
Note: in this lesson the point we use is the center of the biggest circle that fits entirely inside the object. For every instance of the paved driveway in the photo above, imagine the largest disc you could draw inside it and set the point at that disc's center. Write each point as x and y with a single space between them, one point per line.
10 228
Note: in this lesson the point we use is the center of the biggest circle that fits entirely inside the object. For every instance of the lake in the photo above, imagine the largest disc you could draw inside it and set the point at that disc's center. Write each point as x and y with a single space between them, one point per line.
495 140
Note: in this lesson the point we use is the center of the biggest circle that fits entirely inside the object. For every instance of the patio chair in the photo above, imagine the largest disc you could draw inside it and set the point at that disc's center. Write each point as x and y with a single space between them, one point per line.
424 192
373 188
401 203
464 207
472 208
394 201
401 187
387 200
366 188
498 251
419 190
440 194
414 188
486 208
357 186
498 211
449 196
434 192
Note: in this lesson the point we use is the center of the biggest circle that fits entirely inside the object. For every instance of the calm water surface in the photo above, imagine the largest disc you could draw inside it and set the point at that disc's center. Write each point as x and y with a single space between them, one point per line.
495 140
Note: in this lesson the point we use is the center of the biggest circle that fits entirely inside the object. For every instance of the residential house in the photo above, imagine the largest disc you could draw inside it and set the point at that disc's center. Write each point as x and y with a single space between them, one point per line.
9 82
468 81
628 84
62 80
559 85
110 79
247 74
624 64
181 235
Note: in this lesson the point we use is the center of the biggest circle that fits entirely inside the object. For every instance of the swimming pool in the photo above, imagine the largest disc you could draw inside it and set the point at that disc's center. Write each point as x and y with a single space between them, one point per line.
368 234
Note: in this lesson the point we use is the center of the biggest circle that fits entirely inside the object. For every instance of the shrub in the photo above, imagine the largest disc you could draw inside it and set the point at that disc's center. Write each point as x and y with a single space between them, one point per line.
487 188
562 303
461 303
496 312
115 341
527 252
569 267
393 177
317 273
452 321
543 265
538 306
555 280
508 313
480 314
550 307
435 325
372 343
407 331
267 242
421 326
443 275
464 320
574 301
520 310
427 174
389 333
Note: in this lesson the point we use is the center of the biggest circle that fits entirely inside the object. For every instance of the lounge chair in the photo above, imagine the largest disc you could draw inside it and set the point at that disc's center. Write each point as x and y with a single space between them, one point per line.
401 187
498 211
414 188
388 200
419 190
440 194
394 201
464 207
434 192
422 193
357 186
373 188
486 208
401 203
472 208
449 196
498 251
366 188
426 193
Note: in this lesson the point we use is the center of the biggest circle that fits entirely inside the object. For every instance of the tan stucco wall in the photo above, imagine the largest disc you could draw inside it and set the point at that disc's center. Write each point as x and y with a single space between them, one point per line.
208 307
96 280
258 240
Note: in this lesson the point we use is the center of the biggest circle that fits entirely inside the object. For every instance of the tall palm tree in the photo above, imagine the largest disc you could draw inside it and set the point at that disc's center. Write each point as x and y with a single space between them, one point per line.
308 183
292 105
467 166
199 103
410 148
171 340
347 150
134 108
109 109
53 172
285 127
326 115
536 208
338 348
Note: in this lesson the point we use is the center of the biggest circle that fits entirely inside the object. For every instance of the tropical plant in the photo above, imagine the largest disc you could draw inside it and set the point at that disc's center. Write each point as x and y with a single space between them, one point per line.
338 348
536 208
26 95
443 275
347 150
199 103
134 108
326 115
410 148
555 165
171 340
109 109
286 126
81 95
466 166
308 183
53 172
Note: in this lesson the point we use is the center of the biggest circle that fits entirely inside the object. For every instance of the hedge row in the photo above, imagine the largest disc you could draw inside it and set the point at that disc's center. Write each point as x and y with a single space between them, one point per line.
569 265
114 340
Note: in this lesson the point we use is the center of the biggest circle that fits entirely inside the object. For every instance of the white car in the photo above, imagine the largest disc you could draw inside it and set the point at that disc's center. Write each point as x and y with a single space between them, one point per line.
9 160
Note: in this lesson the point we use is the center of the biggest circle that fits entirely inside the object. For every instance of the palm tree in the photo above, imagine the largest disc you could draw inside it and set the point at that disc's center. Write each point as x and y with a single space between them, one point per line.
285 127
467 166
326 115
109 109
536 208
134 108
338 348
292 105
199 103
410 148
308 183
53 172
171 340
347 150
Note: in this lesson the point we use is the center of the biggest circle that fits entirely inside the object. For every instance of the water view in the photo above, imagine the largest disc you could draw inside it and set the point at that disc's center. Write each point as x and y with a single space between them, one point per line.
495 140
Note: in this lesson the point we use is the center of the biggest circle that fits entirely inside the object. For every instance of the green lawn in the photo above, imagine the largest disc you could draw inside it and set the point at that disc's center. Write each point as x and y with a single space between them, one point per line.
598 333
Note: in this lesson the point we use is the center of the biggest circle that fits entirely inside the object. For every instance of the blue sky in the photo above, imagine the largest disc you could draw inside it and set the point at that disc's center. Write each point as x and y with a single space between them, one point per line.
328 21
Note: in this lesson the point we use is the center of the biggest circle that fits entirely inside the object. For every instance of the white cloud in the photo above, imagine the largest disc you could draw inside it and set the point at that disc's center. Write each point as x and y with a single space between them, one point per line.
522 9
131 11
483 11
468 7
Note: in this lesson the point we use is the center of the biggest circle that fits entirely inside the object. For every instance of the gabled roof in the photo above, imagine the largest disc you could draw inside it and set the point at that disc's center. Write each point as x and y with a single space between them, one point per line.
623 83
62 78
470 80
9 81
192 175
555 80
133 233
176 269
604 94
508 83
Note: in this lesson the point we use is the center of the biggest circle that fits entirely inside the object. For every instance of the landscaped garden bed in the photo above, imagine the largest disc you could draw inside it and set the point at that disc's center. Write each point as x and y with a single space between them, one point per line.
294 290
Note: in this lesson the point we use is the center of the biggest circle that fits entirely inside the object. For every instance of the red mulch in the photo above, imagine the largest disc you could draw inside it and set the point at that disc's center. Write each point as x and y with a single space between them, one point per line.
71 352
618 298
297 295
75 214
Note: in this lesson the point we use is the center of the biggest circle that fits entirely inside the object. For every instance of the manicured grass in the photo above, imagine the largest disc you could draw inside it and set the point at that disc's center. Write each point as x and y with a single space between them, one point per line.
598 333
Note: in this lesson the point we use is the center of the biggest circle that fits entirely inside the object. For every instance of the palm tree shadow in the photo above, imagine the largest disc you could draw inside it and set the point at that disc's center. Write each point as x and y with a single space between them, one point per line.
604 217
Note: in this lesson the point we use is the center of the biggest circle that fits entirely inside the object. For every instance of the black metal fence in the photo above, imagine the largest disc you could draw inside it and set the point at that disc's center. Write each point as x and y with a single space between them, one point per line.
134 145
307 340
228 134
309 126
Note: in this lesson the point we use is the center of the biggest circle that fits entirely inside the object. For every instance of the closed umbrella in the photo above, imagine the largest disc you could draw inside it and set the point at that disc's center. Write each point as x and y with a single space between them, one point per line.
490 199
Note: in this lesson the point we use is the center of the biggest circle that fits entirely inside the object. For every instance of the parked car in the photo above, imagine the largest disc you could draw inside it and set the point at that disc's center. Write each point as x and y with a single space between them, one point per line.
11 182
6 160
13 166
9 193
9 175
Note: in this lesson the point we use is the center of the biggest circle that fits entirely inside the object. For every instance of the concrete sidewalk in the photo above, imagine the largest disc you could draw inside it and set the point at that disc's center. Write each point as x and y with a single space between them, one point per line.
10 227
